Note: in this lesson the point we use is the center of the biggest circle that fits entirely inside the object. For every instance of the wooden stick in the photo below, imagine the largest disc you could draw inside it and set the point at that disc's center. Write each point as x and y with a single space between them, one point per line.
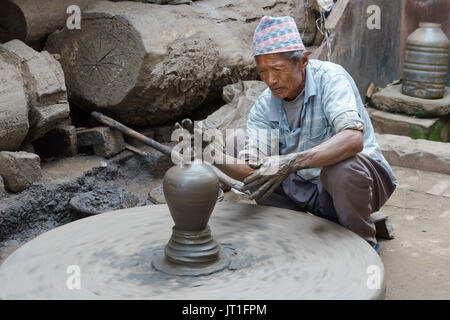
135 150
134 134
160 147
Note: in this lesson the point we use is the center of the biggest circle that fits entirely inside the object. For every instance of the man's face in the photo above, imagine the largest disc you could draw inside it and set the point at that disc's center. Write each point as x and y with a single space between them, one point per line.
284 77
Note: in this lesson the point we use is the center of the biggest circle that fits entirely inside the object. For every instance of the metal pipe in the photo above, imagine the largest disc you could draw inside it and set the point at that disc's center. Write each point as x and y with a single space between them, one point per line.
160 147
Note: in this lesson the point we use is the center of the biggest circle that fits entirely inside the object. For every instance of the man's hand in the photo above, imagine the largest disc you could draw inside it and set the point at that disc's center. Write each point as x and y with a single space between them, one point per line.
271 172
231 175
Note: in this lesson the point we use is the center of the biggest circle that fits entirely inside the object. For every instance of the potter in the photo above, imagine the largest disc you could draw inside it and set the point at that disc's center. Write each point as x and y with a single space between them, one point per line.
329 162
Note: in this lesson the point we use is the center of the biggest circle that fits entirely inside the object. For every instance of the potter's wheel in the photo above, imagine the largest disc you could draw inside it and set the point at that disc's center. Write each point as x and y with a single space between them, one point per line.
275 254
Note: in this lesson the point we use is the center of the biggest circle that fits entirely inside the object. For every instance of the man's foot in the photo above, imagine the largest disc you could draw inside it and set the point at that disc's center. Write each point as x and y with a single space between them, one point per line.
377 248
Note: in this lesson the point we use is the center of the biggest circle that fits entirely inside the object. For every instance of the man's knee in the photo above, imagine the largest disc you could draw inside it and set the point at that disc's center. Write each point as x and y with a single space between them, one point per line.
343 171
346 176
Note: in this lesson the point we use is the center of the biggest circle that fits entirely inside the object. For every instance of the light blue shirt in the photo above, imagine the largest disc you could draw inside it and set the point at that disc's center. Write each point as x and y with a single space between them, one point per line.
329 92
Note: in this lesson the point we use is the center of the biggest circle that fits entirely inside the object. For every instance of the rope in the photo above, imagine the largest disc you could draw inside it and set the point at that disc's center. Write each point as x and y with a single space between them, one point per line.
327 33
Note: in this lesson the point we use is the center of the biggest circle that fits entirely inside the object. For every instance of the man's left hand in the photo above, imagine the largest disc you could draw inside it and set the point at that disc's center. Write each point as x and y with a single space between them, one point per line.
271 172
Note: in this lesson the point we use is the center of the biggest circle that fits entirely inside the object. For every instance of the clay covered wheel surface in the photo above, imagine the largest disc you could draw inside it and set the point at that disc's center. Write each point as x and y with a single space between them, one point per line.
275 254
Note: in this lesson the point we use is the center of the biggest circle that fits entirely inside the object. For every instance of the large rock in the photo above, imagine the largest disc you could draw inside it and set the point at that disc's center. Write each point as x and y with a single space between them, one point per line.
45 88
145 64
436 129
240 97
417 154
13 103
19 169
391 99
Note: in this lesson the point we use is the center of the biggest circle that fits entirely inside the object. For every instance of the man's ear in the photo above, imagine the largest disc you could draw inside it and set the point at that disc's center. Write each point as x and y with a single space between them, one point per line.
305 59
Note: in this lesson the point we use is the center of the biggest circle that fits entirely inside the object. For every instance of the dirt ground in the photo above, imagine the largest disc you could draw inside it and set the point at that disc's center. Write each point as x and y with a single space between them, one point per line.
417 261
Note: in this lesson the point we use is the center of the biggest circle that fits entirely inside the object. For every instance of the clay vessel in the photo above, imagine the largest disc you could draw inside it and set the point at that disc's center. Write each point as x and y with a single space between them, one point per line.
191 192
426 62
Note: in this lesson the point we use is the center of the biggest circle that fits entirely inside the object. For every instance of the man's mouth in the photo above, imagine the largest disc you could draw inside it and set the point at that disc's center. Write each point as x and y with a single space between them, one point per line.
277 90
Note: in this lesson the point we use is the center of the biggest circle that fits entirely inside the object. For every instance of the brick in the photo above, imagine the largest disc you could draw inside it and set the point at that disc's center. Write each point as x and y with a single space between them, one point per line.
435 129
417 154
106 142
391 99
59 142
19 169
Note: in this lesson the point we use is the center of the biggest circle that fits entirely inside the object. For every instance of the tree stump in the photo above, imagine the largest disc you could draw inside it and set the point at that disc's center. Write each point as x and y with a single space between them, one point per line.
32 21
13 103
146 64
43 80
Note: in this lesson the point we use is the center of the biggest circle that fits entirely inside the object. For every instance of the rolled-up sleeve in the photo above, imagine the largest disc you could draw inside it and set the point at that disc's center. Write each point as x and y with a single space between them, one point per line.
348 120
339 103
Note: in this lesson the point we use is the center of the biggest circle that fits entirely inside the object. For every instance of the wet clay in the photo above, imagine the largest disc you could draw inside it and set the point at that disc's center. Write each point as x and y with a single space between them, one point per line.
275 254
191 192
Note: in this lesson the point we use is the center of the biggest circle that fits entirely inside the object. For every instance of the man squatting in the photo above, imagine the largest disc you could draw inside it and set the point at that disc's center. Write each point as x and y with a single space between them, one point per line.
329 162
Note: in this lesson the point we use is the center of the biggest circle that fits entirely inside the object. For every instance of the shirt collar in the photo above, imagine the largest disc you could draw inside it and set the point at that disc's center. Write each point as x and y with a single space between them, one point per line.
276 103
310 85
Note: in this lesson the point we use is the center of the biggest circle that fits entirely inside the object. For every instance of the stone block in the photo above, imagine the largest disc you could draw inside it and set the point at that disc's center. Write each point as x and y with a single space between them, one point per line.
106 142
435 129
59 142
19 169
417 154
384 228
45 118
392 99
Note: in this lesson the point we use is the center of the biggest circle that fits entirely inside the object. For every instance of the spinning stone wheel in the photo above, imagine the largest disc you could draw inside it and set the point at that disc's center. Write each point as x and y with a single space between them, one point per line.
273 254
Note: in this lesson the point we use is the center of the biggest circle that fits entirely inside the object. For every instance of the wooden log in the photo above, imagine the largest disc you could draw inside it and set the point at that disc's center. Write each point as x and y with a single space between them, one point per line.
32 21
146 64
45 88
13 103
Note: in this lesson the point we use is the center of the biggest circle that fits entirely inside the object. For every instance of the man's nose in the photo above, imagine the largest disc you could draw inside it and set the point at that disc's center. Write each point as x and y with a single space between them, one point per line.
271 80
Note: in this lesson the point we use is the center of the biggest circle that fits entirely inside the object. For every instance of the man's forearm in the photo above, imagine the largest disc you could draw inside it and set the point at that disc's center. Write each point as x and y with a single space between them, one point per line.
341 146
236 171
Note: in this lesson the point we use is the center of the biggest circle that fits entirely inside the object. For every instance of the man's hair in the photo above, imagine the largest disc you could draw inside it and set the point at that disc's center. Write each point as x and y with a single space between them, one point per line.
294 56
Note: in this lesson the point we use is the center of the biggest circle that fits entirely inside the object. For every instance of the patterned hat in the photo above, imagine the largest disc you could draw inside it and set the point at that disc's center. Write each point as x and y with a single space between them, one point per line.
276 34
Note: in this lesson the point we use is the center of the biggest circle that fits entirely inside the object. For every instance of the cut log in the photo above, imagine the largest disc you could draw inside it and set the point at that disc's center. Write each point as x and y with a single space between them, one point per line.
146 64
13 103
32 21
44 86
